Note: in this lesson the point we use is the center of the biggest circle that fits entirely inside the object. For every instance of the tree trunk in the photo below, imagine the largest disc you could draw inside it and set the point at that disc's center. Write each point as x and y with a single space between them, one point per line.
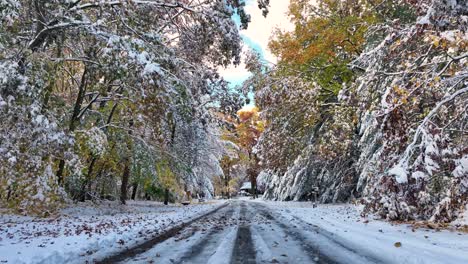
166 196
60 172
99 176
226 183
126 173
253 183
123 187
87 183
134 190
39 7
255 190
74 119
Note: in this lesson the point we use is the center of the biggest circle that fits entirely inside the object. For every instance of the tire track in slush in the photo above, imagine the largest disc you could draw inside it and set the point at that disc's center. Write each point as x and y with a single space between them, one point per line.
244 249
313 252
204 248
274 244
310 247
147 245
331 237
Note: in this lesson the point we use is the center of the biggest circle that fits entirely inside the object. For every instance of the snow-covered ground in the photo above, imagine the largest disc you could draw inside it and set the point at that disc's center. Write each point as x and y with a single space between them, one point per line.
462 220
249 231
393 243
85 232
264 231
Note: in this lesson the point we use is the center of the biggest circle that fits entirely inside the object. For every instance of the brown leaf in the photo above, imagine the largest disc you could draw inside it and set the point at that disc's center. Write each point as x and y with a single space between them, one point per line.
397 244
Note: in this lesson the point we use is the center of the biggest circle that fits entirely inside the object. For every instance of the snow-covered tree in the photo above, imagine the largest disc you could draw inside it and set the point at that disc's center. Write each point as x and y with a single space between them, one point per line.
88 87
370 102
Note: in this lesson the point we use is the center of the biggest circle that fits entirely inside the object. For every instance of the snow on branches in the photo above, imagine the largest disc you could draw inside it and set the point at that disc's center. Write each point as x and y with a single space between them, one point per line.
29 142
383 118
422 115
89 87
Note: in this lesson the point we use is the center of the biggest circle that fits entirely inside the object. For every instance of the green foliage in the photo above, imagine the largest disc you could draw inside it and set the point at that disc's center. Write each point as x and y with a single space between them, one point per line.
157 193
325 39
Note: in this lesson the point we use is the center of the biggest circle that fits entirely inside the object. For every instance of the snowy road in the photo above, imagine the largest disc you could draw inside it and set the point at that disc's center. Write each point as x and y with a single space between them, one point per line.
236 231
249 232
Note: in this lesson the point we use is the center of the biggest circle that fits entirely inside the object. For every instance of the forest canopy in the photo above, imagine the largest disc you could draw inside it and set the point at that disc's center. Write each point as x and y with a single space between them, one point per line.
124 100
368 101
100 98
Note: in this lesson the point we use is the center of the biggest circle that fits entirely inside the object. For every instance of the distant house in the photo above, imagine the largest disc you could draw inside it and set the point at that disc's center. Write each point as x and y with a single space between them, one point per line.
246 187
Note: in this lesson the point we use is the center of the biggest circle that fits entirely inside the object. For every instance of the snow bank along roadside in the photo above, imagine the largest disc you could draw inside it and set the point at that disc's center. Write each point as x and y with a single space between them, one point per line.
394 243
87 232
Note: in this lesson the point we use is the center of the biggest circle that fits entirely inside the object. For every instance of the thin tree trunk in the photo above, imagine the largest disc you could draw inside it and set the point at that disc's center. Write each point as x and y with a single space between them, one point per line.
94 159
126 173
40 24
123 187
226 183
99 176
60 171
166 196
253 183
74 119
134 190
87 181
255 189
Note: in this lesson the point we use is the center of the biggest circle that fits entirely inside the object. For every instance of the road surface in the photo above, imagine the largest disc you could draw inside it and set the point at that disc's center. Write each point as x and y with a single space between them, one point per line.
246 232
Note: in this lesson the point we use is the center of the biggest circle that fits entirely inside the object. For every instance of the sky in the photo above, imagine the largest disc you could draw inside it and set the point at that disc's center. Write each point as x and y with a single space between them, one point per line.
257 35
